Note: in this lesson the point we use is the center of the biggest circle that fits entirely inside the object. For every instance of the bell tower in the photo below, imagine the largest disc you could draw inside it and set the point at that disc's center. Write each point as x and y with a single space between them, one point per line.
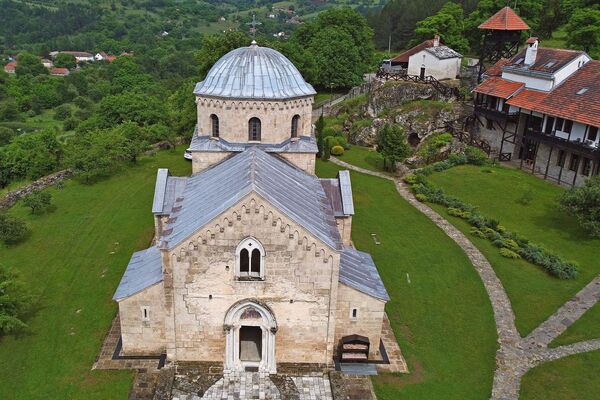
501 37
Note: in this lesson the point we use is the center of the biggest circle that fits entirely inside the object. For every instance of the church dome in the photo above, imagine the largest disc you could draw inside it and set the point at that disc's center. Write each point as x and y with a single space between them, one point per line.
254 72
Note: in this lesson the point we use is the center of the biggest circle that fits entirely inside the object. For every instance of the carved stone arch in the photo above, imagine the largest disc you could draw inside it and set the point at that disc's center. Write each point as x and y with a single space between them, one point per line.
250 312
261 209
321 253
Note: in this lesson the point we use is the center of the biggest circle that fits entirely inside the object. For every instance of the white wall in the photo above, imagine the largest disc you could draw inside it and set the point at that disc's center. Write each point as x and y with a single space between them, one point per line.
439 69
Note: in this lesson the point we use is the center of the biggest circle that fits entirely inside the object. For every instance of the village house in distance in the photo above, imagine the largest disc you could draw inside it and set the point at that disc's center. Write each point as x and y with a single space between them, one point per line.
253 265
541 107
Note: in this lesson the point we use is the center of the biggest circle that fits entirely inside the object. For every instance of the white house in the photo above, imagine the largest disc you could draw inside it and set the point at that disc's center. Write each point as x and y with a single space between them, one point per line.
441 62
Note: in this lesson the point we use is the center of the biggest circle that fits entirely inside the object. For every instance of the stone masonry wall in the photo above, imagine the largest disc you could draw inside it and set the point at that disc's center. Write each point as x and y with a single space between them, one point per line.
275 117
344 225
143 337
304 161
9 199
203 160
300 285
369 318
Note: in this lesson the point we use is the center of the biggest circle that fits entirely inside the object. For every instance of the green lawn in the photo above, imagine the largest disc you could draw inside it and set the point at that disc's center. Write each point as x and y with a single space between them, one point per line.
363 157
566 379
534 294
73 261
443 318
322 97
585 328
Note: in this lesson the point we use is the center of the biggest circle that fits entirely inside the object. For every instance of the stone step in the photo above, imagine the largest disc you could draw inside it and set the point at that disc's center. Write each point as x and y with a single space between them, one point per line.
358 369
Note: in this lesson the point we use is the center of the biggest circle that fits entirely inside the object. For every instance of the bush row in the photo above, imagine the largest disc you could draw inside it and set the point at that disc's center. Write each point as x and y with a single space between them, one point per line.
510 244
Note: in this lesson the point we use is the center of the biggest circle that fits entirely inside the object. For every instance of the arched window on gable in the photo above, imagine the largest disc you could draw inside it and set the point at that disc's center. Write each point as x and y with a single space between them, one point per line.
214 125
295 121
250 256
254 129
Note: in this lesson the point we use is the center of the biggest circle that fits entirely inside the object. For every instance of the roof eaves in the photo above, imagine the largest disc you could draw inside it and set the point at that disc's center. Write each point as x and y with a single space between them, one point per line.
159 190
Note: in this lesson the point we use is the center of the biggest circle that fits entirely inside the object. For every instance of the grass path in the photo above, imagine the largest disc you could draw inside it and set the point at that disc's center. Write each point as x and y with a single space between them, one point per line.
73 261
442 317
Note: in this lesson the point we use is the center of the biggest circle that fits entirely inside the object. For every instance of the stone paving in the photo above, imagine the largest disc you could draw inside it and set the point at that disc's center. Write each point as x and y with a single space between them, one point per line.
397 362
256 385
516 355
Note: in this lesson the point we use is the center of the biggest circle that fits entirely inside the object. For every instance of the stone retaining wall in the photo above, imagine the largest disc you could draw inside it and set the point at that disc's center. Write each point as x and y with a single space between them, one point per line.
9 199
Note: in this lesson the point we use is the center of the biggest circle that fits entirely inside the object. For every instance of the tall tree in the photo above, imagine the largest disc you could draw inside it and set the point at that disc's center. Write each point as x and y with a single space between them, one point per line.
583 31
448 23
29 64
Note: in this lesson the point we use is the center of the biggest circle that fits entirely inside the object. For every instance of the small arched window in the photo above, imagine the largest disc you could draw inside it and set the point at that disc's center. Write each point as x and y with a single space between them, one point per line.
254 129
295 120
250 260
214 125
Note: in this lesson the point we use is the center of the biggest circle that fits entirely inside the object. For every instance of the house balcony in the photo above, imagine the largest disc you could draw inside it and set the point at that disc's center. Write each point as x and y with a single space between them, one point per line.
496 115
586 148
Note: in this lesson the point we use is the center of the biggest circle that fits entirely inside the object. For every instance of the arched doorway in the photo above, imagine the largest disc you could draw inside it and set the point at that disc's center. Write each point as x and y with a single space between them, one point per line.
250 328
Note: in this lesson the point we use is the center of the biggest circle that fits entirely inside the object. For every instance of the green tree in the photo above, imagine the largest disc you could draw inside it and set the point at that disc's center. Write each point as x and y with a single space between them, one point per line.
29 64
182 109
15 303
336 59
9 110
134 139
12 229
136 106
6 135
448 23
62 112
63 60
584 204
39 202
392 145
584 31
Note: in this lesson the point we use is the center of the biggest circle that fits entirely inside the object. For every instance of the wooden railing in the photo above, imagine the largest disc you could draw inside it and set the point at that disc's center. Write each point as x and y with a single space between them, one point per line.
442 88
466 137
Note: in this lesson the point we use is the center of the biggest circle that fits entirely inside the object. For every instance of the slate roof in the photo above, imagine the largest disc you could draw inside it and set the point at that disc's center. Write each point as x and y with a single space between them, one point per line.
547 61
443 52
358 270
254 72
403 57
576 99
498 87
304 144
144 270
505 20
339 193
166 190
295 193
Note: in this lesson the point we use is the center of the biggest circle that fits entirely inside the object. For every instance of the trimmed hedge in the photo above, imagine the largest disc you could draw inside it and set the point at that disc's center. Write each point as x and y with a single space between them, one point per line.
510 244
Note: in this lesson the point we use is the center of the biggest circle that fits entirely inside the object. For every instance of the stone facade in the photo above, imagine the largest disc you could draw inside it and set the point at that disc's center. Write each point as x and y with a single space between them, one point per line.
143 334
368 321
344 225
275 117
204 159
300 286
304 161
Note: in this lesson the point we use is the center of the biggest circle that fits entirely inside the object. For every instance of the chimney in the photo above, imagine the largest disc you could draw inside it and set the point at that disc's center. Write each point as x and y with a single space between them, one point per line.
436 40
531 52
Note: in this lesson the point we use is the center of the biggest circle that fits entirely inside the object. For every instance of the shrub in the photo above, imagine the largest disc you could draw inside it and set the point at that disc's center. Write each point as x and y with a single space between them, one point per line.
15 303
426 171
509 253
39 202
330 131
441 166
478 233
337 150
410 179
12 229
457 159
62 112
584 204
421 197
326 153
70 124
526 198
475 156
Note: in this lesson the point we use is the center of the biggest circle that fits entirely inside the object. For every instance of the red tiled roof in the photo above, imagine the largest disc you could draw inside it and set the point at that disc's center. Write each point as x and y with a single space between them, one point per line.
498 87
564 101
10 66
496 69
59 71
527 98
403 58
531 40
110 58
505 20
546 60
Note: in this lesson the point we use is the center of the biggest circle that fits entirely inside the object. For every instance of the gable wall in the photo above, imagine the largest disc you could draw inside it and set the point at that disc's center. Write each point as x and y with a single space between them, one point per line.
143 337
298 267
369 320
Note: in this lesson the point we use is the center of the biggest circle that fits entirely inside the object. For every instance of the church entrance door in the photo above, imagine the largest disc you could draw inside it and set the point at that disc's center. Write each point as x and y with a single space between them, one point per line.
250 329
250 344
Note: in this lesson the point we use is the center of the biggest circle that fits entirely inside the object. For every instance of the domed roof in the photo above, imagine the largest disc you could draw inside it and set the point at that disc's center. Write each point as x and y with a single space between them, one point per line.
254 72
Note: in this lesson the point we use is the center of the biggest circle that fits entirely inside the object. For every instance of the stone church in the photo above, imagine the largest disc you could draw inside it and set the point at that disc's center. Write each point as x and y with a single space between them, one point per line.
252 265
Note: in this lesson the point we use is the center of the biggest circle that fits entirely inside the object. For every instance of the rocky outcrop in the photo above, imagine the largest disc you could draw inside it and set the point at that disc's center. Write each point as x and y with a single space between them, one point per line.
418 107
12 197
